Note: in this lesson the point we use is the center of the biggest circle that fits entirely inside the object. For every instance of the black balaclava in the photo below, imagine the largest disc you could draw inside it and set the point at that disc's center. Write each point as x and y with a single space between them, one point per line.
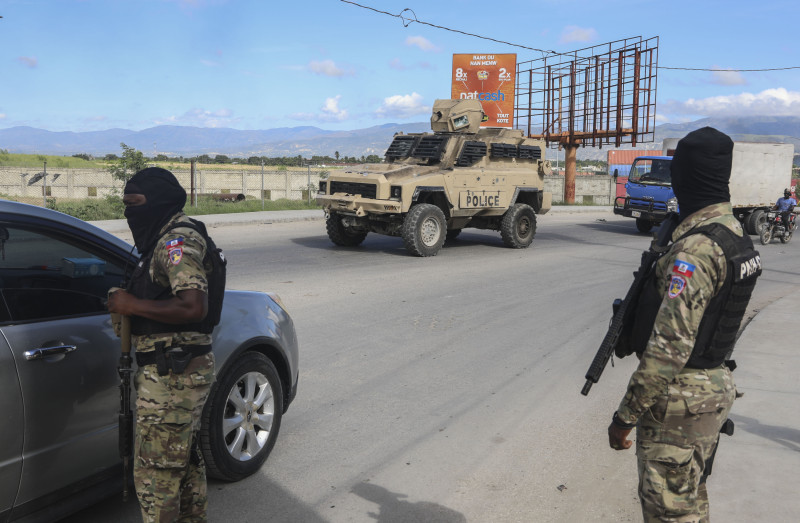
165 197
701 169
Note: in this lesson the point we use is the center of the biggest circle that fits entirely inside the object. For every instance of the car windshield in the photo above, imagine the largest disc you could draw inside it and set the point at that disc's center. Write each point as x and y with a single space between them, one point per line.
651 171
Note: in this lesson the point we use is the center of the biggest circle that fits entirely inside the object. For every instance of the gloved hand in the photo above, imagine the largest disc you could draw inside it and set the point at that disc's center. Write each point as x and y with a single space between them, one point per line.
116 318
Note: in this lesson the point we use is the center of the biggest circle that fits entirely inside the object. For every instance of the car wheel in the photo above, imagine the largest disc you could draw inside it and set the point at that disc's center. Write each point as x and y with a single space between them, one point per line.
424 229
643 225
452 234
341 235
241 418
518 226
766 235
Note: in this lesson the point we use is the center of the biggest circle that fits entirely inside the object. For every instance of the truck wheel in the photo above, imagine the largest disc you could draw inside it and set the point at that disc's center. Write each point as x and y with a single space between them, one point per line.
341 235
765 235
756 221
643 225
452 234
424 230
518 226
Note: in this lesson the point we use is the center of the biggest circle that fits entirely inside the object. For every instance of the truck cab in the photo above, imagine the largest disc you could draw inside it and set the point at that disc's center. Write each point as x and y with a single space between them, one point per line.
648 192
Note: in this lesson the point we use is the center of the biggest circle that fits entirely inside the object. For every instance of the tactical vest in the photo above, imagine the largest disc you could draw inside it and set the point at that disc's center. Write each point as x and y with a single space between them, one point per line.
719 326
143 287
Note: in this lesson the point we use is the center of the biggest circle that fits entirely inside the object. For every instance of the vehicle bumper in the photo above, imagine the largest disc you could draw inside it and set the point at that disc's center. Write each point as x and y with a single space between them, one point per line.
645 211
357 205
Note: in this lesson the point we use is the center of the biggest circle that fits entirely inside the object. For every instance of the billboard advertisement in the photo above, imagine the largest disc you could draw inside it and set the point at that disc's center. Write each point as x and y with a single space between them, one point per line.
490 79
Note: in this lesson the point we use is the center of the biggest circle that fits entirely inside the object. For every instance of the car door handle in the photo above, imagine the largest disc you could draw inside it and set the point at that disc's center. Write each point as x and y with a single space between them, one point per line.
44 352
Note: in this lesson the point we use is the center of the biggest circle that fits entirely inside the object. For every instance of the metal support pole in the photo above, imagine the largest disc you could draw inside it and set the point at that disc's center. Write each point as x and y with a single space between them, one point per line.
262 184
44 186
308 185
192 188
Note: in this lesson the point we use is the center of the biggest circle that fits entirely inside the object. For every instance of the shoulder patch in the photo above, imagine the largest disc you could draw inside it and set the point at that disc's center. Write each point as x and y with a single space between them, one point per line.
174 243
175 255
676 286
683 268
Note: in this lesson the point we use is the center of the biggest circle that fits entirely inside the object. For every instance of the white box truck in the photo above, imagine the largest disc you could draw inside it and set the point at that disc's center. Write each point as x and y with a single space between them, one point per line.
759 174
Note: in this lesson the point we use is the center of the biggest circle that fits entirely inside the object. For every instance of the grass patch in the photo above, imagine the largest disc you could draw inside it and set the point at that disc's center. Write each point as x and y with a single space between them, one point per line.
53 162
111 208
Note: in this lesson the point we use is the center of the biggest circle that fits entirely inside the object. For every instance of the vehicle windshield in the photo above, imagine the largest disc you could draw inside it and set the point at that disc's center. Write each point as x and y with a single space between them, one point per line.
650 171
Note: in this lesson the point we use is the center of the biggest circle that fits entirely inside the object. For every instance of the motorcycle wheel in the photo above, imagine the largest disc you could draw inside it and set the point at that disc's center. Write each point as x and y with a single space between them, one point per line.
785 237
766 235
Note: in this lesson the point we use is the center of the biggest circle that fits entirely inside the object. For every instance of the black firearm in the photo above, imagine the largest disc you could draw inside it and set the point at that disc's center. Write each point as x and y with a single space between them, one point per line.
623 310
125 413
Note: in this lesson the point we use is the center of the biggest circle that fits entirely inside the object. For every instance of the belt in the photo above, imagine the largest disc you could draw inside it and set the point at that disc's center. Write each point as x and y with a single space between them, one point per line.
150 357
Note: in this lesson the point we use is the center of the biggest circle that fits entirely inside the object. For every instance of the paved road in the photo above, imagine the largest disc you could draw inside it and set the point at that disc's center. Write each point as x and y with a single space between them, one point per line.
447 389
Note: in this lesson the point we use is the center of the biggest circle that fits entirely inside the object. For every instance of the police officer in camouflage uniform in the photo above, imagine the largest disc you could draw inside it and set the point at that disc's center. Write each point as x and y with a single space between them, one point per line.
676 405
167 300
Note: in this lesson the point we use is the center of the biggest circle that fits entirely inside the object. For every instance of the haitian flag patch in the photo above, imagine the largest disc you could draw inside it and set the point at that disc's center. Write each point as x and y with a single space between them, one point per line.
176 243
676 286
683 268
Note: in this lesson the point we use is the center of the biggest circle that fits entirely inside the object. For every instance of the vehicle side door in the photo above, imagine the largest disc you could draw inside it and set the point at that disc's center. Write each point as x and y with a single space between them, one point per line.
54 319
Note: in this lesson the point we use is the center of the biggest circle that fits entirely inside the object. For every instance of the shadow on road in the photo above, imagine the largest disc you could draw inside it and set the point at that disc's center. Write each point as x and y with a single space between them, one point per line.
393 509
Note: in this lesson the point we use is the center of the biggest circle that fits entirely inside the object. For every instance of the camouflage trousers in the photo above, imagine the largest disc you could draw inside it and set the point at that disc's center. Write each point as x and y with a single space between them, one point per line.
170 477
674 441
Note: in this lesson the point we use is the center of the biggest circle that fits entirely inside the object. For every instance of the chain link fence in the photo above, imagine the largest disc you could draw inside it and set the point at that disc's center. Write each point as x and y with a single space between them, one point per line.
36 186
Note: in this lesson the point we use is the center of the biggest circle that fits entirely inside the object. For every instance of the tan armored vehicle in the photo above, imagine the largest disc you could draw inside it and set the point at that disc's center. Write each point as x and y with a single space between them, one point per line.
431 186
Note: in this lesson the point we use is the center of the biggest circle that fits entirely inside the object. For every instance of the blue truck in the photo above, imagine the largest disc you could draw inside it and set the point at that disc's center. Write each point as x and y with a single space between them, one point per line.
759 174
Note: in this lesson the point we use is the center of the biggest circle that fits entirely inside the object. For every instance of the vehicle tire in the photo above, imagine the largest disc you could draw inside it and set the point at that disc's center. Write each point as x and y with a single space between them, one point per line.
241 418
786 237
755 221
341 235
643 225
424 230
765 235
518 226
452 234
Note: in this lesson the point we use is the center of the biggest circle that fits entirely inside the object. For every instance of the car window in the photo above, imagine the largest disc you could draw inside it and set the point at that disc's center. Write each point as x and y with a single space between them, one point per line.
44 276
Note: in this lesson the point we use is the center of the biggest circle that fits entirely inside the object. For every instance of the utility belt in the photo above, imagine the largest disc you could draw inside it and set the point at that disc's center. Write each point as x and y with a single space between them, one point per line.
175 360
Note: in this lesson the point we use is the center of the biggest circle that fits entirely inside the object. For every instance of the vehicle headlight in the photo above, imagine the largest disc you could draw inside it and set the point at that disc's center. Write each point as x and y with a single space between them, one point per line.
395 192
672 205
323 187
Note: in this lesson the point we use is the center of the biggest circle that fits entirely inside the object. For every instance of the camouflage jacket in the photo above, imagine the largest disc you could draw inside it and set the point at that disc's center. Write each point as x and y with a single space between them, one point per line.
692 272
177 263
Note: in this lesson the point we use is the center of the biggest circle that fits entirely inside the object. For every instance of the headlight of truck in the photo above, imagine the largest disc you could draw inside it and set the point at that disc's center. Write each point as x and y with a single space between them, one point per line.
323 188
395 192
672 205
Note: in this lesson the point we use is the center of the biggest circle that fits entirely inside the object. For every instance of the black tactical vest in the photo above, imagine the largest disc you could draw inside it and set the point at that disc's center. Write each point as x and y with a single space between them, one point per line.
143 287
719 326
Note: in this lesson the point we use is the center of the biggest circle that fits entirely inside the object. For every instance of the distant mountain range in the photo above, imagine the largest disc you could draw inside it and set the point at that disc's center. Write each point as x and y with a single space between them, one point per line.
309 141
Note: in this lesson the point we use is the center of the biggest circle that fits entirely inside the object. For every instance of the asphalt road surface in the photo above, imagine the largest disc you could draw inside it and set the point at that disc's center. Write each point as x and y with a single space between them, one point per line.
446 389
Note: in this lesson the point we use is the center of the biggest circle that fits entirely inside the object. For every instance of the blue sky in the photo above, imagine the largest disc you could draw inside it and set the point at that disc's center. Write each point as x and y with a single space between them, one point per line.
90 65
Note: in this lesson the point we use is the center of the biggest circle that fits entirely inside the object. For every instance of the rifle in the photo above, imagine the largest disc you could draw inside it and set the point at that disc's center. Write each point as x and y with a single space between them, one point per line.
125 413
623 311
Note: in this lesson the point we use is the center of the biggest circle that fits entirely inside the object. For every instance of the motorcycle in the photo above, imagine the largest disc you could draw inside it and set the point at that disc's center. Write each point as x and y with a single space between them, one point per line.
775 228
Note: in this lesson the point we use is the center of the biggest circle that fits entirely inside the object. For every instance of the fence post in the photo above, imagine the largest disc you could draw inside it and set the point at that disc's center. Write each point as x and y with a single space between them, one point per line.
262 184
288 184
308 185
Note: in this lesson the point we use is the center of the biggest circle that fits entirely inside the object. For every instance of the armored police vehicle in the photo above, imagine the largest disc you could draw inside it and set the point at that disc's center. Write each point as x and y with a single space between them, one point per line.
432 185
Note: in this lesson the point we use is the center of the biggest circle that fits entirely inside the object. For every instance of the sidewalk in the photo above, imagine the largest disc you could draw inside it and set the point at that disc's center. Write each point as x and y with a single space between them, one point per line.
244 218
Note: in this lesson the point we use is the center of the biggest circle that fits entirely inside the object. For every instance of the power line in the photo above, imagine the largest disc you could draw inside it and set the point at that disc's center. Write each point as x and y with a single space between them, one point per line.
411 18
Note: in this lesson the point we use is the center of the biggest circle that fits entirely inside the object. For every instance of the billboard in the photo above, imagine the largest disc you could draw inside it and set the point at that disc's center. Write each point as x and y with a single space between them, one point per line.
490 79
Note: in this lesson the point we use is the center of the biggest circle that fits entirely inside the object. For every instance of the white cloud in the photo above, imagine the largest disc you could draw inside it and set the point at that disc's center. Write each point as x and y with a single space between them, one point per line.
329 112
202 118
402 106
573 33
2 116
28 61
327 68
771 102
726 77
210 63
422 42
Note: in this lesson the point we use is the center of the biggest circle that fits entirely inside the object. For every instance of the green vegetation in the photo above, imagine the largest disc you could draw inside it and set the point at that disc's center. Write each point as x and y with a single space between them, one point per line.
79 161
111 208
125 167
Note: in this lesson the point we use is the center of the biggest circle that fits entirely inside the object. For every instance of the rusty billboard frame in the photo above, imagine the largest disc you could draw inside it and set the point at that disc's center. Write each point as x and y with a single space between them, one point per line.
599 95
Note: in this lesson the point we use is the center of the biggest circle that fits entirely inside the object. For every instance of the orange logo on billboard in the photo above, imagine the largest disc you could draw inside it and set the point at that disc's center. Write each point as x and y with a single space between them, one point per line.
490 79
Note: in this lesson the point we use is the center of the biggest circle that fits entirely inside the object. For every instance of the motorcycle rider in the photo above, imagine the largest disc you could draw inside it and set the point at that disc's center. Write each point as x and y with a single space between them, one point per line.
785 206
